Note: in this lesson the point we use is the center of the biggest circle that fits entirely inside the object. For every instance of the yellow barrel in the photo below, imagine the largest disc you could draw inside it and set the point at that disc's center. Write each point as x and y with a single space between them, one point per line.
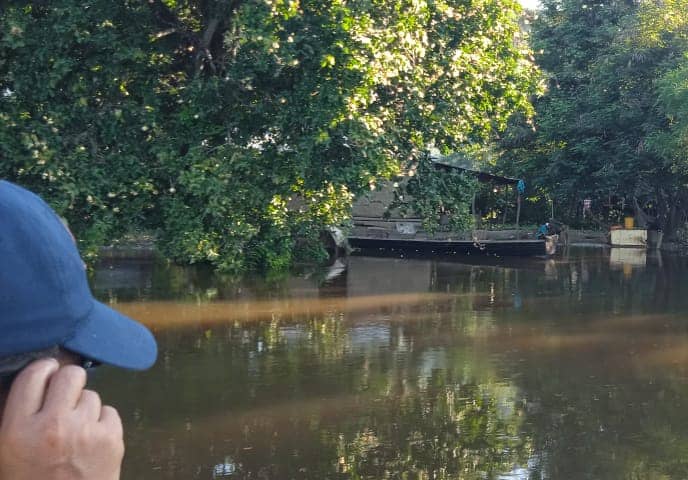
629 222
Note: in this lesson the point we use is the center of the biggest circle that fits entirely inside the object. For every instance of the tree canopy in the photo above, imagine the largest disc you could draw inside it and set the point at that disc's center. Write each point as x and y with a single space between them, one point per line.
239 130
609 128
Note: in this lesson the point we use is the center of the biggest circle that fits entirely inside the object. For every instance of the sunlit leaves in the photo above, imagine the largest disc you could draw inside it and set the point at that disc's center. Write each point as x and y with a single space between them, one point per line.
255 123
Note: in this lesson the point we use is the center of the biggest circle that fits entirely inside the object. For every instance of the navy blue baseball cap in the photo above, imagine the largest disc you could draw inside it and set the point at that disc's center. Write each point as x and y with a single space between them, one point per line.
45 300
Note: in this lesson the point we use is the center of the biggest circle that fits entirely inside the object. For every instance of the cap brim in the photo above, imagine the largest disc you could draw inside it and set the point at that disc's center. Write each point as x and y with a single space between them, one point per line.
109 337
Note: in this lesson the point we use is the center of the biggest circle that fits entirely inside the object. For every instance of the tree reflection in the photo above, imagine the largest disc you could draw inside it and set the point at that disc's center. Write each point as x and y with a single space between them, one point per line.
326 397
447 431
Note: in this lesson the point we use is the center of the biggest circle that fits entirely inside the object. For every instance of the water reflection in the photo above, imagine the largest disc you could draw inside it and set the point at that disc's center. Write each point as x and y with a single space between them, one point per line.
421 369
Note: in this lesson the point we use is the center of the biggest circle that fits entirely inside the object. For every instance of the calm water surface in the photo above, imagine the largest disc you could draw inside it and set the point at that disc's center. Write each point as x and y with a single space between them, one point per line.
389 368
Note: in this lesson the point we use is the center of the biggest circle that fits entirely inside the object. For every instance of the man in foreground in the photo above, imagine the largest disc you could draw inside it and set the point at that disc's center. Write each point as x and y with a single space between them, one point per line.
51 426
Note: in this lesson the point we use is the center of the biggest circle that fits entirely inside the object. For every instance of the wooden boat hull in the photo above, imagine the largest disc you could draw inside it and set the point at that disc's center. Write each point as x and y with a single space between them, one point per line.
455 247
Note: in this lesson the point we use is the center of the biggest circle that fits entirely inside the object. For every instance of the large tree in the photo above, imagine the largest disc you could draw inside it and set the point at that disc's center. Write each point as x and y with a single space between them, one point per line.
562 154
603 131
240 129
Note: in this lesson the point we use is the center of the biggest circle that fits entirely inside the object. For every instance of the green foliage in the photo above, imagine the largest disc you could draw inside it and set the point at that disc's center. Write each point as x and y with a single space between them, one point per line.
442 198
668 27
672 143
609 128
241 130
566 155
78 113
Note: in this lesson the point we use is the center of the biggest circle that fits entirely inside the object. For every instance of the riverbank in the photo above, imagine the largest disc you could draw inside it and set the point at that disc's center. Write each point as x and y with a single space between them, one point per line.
142 246
138 246
577 237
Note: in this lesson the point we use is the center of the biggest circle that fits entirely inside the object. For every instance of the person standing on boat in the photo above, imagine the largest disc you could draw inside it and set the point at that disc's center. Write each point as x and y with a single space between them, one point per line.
51 426
543 231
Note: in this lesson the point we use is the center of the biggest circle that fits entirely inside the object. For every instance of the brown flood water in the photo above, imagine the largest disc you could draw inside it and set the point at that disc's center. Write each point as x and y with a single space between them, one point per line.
387 368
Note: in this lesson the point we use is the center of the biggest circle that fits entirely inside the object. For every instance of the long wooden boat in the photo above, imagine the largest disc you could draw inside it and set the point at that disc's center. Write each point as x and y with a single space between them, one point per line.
529 247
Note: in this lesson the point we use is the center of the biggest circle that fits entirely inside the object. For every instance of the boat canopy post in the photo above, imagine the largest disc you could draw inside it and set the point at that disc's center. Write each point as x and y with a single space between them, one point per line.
520 190
475 214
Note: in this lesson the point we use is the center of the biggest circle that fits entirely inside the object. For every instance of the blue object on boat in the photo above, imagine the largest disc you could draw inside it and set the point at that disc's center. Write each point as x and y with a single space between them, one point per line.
521 186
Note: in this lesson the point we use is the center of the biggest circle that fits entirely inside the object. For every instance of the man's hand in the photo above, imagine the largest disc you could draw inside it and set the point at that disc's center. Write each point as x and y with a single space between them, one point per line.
54 429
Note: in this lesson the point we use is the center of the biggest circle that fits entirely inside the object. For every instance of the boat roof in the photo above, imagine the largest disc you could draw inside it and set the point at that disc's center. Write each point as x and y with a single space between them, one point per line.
460 162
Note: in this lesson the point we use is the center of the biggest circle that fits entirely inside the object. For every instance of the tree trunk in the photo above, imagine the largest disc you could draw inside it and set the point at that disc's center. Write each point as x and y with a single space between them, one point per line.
642 219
